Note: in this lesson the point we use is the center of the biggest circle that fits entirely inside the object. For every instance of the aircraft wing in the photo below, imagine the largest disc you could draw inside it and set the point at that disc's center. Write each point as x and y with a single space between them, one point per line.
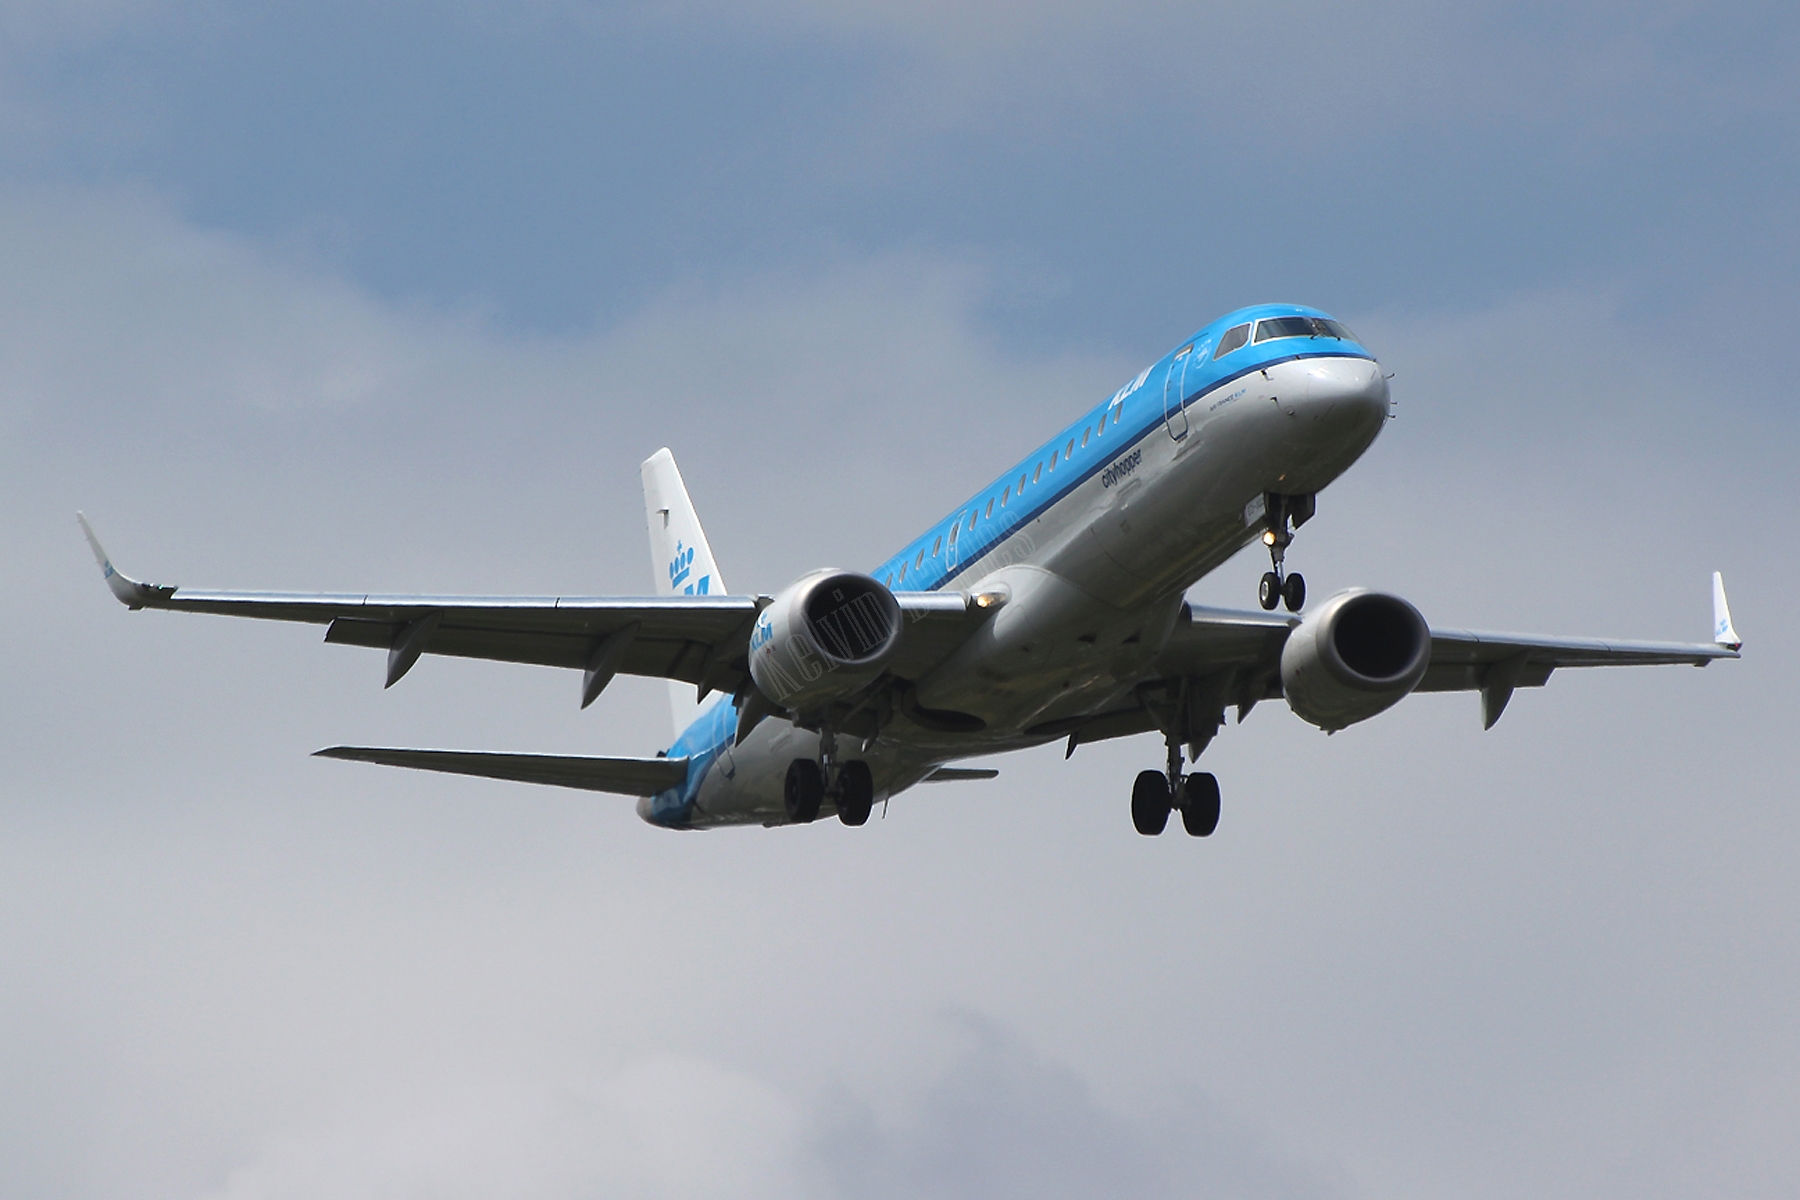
1243 649
1214 638
703 640
1460 656
1495 663
625 776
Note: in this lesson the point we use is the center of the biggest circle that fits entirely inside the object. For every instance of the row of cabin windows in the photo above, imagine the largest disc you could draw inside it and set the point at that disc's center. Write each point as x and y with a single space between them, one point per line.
1091 431
1270 328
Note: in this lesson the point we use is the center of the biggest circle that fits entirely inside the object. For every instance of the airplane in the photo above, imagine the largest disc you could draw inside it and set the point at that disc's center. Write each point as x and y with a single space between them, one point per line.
1048 606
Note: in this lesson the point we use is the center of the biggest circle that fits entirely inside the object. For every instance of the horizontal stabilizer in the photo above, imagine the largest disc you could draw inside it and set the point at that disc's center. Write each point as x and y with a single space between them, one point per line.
953 774
626 776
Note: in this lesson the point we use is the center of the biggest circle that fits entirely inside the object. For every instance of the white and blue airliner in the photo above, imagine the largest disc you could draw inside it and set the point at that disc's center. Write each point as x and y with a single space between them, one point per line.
1048 606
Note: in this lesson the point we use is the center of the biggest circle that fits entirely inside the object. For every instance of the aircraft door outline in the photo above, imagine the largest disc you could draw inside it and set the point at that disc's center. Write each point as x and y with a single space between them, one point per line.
1175 392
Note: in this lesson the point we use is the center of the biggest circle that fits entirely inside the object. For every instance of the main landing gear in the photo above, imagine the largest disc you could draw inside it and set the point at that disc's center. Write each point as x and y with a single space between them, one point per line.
850 786
1278 587
1156 794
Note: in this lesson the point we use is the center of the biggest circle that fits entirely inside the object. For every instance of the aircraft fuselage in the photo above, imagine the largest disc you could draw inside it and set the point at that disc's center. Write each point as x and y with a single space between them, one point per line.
1086 547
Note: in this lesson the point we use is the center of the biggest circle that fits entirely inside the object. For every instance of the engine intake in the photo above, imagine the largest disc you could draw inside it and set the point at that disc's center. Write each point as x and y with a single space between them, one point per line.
1356 655
825 637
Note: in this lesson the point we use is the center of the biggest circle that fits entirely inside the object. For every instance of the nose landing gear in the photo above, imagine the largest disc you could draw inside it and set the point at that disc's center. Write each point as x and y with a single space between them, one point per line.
1277 586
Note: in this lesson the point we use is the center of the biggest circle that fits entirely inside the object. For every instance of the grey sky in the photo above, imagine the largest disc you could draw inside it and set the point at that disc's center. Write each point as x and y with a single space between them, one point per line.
313 298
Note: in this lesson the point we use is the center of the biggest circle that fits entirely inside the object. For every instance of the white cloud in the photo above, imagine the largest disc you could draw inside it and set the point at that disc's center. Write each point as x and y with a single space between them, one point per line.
674 1129
1440 960
1307 73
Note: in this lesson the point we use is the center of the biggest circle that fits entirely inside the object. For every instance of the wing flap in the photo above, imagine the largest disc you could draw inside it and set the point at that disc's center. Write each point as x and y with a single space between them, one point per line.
624 776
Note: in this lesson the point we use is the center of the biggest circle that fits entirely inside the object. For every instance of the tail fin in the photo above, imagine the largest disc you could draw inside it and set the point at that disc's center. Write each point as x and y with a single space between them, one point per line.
679 555
1723 633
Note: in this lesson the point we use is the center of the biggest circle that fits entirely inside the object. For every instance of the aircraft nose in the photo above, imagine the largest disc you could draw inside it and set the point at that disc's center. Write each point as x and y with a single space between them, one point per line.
1348 394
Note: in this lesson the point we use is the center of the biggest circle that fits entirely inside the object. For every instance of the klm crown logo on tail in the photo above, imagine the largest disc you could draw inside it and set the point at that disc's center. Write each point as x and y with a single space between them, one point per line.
680 567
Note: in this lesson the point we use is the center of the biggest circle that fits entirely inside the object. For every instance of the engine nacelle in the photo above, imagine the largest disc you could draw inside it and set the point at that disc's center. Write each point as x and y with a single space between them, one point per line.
1354 656
826 637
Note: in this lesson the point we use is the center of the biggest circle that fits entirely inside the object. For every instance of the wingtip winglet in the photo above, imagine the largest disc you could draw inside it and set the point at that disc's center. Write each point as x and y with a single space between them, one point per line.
130 592
1723 633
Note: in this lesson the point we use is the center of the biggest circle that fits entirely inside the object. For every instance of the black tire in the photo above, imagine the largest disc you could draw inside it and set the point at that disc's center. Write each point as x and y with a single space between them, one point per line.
1150 803
804 790
856 792
1200 804
1268 592
1293 592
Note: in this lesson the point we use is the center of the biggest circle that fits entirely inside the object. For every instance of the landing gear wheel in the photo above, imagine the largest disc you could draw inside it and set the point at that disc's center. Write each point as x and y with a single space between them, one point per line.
1150 803
1268 592
1200 804
1293 593
856 792
803 791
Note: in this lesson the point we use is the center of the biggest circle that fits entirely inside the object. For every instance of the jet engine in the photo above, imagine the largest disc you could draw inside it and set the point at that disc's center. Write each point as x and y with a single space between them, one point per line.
825 637
1354 656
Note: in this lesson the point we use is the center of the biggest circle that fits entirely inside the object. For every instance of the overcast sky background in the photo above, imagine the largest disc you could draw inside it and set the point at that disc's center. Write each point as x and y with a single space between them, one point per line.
396 297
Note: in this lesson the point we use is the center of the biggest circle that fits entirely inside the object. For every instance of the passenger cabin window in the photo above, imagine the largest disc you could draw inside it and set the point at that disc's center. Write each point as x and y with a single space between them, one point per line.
1234 337
903 567
1084 436
1306 327
919 561
1053 455
971 520
990 508
1118 414
1021 485
1038 474
937 545
1070 452
1004 493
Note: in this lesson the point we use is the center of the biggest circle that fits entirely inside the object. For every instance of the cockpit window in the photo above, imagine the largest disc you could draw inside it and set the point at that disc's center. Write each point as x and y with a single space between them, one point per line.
1306 327
1234 337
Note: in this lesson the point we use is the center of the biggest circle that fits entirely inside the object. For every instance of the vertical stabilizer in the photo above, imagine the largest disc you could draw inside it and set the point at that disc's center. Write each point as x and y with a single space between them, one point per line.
679 556
1723 633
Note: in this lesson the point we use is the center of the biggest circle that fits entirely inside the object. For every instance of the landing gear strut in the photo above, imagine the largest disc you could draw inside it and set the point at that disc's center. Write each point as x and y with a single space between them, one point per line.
1278 587
1156 793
